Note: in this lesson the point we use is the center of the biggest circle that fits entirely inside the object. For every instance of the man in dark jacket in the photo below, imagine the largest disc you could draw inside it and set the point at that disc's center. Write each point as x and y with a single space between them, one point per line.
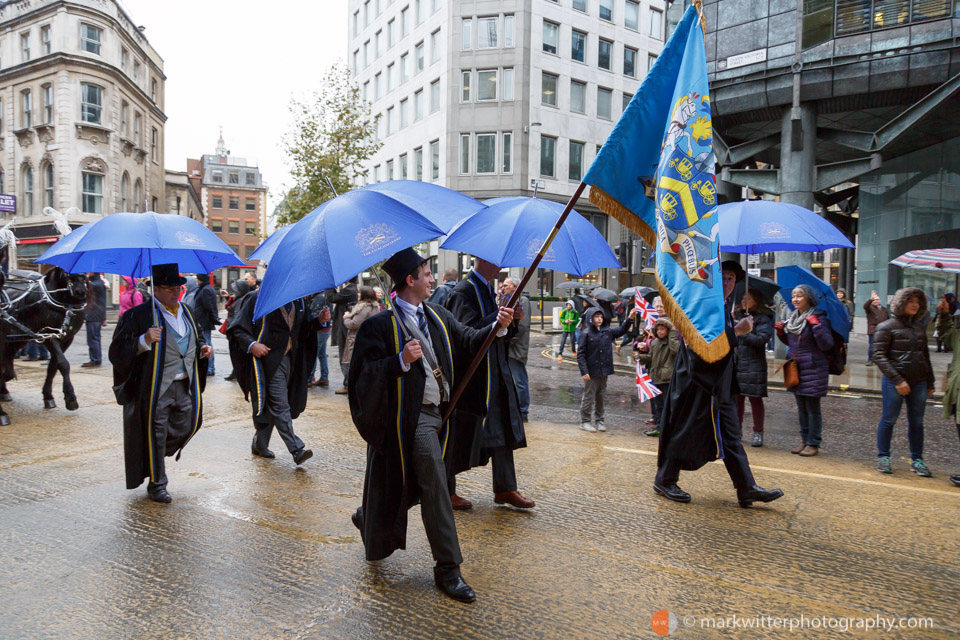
442 291
158 377
95 316
276 353
518 347
699 422
875 315
206 313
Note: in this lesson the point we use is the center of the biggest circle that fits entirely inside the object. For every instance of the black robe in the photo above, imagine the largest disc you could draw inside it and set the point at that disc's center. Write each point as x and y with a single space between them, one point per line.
690 421
385 404
136 384
253 374
472 303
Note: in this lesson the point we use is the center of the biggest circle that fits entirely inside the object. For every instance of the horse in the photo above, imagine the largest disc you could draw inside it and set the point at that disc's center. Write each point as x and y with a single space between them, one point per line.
47 308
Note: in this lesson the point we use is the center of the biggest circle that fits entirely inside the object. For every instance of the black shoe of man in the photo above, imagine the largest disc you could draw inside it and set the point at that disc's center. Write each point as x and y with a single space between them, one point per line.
451 583
161 495
302 456
757 494
263 453
671 492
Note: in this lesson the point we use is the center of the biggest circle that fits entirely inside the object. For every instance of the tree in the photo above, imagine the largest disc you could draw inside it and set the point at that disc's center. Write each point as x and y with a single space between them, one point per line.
333 135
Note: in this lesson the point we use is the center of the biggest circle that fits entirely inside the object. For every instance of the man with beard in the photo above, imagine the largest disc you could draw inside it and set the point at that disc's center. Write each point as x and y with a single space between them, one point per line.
479 439
158 378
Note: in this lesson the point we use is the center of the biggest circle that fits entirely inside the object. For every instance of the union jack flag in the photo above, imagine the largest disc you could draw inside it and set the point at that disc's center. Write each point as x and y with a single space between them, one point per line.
645 387
647 312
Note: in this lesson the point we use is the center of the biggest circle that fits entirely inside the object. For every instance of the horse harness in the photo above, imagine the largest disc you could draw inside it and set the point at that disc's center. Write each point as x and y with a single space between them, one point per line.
47 332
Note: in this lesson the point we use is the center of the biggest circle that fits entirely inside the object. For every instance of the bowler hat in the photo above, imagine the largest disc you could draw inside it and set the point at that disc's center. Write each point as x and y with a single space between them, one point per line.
401 264
733 265
167 275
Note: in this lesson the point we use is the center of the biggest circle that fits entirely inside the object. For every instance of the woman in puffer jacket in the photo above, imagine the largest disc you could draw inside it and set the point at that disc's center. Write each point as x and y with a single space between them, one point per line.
752 363
900 352
808 337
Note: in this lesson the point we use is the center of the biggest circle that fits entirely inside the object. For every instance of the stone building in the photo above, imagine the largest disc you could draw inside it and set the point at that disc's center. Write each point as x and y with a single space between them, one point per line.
81 115
181 198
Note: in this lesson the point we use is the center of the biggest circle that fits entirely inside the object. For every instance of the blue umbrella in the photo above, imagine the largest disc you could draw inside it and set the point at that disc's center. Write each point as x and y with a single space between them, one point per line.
344 236
130 244
789 277
269 246
510 231
755 226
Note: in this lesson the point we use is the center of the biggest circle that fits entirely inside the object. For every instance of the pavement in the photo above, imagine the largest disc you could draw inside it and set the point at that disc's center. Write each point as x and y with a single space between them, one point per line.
255 548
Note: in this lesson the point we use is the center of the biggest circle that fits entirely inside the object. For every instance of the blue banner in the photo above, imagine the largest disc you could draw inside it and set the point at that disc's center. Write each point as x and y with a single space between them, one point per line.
655 174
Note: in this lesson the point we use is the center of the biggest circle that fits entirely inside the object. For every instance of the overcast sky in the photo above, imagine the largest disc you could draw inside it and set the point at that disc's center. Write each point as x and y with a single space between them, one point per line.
237 64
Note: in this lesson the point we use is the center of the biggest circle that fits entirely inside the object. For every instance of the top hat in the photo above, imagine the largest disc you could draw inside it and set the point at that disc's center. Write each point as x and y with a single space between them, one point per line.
733 265
167 275
401 264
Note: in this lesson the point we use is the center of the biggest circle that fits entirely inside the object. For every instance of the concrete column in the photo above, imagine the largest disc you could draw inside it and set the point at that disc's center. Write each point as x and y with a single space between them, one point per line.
798 139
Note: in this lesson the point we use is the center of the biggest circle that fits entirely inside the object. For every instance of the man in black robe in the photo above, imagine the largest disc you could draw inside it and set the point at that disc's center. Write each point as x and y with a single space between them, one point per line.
158 381
275 357
699 422
494 436
405 361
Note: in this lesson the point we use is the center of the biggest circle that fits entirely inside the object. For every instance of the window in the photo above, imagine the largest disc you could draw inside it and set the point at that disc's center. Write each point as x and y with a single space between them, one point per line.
578 46
250 179
487 33
28 191
218 202
418 163
818 19
366 54
250 227
356 22
403 113
656 24
403 166
578 96
508 84
124 191
391 33
464 153
404 22
45 40
389 168
418 105
435 96
548 89
378 39
506 150
575 168
487 85
366 13
90 38
137 194
404 68
137 127
465 77
218 175
366 91
356 62
124 59
418 6
508 31
26 109
627 97
25 46
606 10
377 86
435 160
136 72
234 177
47 91
580 5
235 203
604 52
48 185
419 57
435 47
551 35
153 89
233 226
604 100
630 62
216 225
651 60
154 144
390 121
631 15
250 204
436 6
92 199
486 153
91 97
548 153
153 203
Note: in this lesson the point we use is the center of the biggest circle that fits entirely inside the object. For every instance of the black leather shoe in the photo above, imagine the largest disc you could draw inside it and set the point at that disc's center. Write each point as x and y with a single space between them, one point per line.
671 492
955 479
263 453
452 584
357 518
758 494
302 456
161 495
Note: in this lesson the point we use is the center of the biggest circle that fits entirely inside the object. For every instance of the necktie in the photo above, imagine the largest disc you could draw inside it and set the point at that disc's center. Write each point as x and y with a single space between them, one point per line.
422 322
287 307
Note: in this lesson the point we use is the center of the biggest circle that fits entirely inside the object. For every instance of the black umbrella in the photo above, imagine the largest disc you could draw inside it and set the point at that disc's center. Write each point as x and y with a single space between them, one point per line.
767 288
605 295
572 284
629 292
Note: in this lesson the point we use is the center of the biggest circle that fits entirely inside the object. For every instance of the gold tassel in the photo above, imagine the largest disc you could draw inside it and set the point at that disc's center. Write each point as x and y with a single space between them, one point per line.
711 351
610 206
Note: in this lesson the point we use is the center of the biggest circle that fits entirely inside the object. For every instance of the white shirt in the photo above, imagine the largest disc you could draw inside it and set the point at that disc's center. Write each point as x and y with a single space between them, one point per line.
177 322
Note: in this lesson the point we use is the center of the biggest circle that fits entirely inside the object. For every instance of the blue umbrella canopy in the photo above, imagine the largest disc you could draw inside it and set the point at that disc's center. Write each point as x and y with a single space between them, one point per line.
789 277
755 226
442 206
510 231
130 244
346 235
269 246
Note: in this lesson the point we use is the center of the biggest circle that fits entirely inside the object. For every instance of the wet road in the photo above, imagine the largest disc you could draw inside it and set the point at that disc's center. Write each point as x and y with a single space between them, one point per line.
256 548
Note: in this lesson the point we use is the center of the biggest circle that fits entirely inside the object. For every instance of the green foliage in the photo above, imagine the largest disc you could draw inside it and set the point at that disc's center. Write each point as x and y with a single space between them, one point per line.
333 135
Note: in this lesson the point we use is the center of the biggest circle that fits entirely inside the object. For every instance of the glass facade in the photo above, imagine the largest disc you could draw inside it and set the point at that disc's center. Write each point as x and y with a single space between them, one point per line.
912 202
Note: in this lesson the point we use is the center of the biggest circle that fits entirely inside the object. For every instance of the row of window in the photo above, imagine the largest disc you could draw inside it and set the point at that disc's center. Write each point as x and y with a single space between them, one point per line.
397 117
578 49
479 153
402 170
233 226
249 203
233 177
631 14
244 252
419 11
576 158
823 19
91 191
483 85
550 95
419 56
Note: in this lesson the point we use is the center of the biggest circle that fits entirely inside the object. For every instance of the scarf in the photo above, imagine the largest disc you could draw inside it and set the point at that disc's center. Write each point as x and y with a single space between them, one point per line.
797 320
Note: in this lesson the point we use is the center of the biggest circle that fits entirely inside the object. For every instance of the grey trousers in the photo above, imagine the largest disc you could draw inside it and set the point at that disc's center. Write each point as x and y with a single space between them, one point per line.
171 418
435 507
504 471
277 410
592 403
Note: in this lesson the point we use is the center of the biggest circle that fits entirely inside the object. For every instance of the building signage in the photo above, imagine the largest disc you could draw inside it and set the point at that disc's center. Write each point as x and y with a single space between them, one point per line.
743 59
8 203
753 258
754 273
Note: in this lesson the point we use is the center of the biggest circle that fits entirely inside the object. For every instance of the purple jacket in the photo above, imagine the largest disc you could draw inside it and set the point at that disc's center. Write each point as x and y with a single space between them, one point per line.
809 349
